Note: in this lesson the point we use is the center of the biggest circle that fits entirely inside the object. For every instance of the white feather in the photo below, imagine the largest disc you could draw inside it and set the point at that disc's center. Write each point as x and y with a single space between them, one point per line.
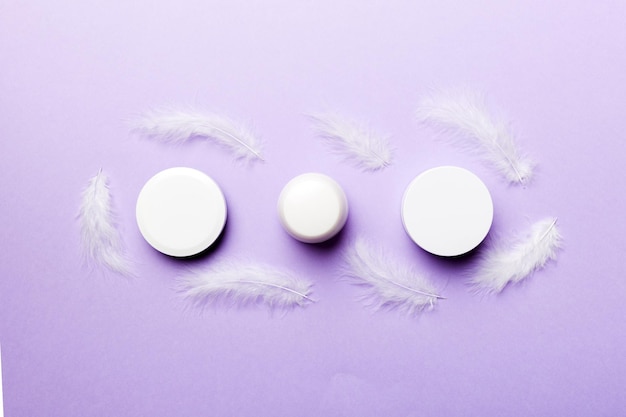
388 283
466 115
101 240
243 283
364 148
513 261
179 125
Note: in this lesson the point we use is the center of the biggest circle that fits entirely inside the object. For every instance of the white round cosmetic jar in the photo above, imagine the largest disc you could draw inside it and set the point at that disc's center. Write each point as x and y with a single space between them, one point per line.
447 211
181 211
312 207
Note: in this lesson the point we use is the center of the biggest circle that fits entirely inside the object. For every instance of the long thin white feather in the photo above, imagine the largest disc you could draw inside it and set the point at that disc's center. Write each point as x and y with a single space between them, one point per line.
515 260
388 283
465 114
244 283
177 126
355 143
102 243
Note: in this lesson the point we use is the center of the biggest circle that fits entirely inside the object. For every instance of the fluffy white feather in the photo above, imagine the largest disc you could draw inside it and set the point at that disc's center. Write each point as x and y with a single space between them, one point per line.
465 114
388 283
244 283
101 240
515 260
179 125
364 148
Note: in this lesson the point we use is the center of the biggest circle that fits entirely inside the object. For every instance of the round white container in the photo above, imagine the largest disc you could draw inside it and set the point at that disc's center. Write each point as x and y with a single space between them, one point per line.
447 210
312 208
181 211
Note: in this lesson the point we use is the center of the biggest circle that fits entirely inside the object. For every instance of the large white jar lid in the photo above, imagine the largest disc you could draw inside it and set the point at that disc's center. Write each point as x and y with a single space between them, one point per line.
181 211
447 210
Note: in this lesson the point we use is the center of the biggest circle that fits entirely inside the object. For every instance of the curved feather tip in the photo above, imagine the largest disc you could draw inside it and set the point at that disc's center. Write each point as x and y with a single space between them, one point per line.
513 261
388 284
465 114
356 144
171 125
101 241
236 283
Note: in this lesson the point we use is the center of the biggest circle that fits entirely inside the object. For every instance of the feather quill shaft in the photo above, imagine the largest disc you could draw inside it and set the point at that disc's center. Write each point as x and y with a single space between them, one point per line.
388 284
513 262
180 125
244 283
101 240
465 114
356 144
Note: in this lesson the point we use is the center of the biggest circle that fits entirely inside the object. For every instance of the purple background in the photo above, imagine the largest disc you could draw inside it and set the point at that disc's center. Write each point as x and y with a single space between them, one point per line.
84 343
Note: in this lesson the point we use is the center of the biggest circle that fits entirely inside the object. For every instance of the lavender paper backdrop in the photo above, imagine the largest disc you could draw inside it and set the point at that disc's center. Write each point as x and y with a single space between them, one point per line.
81 343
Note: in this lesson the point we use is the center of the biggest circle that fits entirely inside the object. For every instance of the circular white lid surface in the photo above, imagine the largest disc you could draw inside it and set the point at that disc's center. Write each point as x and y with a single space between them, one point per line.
447 210
312 208
181 211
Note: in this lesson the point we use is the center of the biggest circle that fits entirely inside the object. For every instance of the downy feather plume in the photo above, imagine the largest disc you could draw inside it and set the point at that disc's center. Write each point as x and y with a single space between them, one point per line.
101 240
179 125
388 284
516 260
232 282
465 114
356 144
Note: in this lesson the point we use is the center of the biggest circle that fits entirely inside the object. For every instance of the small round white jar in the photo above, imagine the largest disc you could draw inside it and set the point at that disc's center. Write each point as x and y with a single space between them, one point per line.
447 211
312 208
181 211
